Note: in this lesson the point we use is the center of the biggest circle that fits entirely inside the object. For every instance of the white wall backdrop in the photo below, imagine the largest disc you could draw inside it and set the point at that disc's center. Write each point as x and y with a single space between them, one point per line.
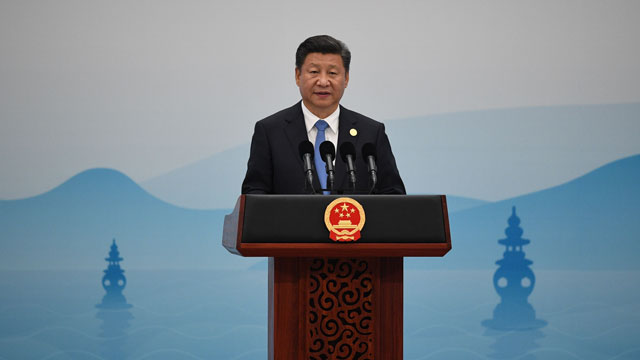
147 87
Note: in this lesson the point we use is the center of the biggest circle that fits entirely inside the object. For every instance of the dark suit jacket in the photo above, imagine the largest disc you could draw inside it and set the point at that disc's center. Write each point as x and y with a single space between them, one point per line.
275 165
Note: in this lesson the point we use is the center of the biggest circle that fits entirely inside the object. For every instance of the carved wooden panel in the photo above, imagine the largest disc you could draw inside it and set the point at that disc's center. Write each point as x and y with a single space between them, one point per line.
340 310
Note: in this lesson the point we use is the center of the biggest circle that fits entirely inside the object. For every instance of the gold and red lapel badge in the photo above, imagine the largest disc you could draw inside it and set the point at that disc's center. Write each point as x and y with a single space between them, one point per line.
344 218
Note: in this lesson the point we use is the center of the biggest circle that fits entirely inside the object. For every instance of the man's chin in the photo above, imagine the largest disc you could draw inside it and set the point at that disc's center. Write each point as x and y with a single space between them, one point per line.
324 109
323 102
324 106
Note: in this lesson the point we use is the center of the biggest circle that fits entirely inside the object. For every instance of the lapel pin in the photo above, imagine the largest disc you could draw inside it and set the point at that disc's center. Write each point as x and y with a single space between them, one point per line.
353 132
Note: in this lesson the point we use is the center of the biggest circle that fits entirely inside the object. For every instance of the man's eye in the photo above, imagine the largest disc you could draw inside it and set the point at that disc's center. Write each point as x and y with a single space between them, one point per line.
333 73
314 71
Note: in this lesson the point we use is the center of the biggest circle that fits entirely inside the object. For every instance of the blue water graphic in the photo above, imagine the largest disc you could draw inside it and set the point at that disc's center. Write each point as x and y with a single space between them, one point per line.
223 315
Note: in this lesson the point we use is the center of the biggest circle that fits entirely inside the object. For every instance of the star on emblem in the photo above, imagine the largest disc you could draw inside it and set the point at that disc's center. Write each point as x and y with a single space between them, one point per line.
344 207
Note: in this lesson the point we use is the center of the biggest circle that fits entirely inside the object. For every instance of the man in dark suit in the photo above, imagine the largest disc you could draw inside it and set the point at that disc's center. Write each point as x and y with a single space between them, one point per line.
275 165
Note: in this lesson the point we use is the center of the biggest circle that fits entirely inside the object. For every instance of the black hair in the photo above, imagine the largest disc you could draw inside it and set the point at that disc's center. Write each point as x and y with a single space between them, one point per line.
323 44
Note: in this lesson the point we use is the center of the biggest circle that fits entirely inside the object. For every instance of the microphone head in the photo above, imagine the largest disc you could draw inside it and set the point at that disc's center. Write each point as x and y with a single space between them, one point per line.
306 147
327 148
347 148
368 149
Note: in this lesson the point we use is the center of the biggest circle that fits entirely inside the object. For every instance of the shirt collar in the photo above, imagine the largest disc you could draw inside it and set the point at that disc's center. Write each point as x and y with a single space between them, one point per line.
310 119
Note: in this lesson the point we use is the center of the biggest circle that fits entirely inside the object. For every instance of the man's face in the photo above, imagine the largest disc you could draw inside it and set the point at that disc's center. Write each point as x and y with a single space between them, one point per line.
322 80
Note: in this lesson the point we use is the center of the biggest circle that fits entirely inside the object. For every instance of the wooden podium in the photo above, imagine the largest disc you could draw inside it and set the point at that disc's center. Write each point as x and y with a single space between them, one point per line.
336 299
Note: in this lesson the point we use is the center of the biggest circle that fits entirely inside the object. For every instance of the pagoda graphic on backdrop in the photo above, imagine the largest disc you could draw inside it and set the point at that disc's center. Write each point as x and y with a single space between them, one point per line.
514 281
114 282
114 310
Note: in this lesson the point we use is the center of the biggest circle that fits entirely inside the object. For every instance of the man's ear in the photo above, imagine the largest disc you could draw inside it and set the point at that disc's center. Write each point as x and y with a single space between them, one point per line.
346 79
298 77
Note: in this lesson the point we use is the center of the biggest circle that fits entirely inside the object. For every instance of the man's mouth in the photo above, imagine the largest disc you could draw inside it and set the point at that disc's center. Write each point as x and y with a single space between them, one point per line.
322 93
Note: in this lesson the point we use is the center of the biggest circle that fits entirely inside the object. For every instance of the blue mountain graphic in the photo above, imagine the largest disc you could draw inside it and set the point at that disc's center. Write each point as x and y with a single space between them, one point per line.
70 226
217 179
454 154
588 223
214 182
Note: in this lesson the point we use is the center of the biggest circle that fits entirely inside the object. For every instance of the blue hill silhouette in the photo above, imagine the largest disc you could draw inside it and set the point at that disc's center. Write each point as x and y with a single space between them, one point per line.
70 226
454 154
210 183
203 184
511 151
588 223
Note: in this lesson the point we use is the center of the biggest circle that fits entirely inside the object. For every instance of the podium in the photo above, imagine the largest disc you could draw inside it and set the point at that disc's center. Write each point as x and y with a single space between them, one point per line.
336 267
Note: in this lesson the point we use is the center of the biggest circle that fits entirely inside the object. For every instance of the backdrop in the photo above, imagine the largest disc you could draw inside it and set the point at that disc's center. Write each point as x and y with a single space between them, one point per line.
125 129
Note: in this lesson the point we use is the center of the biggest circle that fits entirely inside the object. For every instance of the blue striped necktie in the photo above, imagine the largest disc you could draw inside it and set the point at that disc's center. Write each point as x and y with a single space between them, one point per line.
321 125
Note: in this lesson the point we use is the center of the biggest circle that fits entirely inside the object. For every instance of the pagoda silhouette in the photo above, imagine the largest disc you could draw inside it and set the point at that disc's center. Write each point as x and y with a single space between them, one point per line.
114 282
514 281
114 310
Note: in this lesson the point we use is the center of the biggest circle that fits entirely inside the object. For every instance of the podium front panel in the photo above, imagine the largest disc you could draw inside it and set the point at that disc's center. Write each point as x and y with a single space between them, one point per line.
294 225
389 218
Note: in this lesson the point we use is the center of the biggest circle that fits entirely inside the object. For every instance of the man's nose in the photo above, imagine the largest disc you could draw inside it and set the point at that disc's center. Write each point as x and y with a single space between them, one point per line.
323 80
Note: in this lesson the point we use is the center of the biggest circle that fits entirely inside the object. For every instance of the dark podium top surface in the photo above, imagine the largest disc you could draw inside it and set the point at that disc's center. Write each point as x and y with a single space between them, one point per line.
294 225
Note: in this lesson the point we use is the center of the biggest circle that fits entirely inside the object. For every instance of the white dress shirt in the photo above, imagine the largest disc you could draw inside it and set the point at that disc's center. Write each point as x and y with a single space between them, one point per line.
330 133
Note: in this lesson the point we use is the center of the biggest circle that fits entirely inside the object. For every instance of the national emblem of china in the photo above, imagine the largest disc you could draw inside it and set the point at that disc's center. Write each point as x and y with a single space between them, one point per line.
344 218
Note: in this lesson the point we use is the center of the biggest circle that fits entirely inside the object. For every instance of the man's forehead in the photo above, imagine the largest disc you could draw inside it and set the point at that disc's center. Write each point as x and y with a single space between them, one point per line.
320 59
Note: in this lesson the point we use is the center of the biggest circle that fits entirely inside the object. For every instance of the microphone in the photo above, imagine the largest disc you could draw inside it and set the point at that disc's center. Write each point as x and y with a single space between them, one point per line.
306 152
328 153
348 155
369 155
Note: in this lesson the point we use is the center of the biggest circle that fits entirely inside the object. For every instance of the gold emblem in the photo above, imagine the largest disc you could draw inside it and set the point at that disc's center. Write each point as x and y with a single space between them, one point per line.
353 132
344 219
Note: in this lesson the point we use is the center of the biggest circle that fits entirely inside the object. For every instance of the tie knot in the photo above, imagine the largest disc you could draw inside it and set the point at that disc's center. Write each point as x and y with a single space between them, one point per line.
321 125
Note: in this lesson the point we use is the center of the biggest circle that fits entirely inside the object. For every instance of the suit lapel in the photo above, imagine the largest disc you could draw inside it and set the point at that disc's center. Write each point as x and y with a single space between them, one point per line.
347 122
296 132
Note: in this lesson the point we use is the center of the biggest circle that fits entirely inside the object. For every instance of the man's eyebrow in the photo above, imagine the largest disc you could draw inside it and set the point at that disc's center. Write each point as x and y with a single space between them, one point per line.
330 65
